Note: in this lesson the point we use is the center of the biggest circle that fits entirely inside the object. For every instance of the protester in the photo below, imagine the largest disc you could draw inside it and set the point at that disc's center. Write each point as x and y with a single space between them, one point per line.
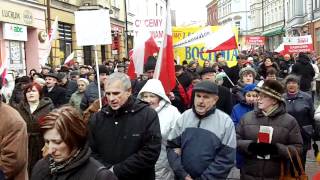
76 97
45 70
268 63
202 143
153 93
300 105
13 143
68 153
92 93
263 156
69 85
304 69
125 135
32 108
285 66
17 93
53 91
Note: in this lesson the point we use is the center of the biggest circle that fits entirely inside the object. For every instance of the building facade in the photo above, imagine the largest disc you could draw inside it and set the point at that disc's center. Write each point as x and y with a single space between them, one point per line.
212 13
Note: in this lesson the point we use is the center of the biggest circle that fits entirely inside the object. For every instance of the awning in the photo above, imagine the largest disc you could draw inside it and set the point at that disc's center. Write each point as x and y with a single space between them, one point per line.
273 32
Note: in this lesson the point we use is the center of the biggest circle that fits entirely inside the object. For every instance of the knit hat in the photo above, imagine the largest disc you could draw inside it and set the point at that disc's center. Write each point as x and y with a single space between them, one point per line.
84 80
206 86
272 88
247 69
291 78
248 87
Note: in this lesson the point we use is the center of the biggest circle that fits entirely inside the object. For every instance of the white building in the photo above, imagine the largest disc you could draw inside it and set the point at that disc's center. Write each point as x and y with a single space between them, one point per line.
235 13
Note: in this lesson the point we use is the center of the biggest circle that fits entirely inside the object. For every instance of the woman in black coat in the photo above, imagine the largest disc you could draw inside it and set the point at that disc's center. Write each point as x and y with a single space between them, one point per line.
67 153
32 108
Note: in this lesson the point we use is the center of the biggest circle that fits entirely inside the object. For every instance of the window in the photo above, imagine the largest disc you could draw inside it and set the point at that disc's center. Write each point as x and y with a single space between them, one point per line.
115 3
65 38
156 9
160 10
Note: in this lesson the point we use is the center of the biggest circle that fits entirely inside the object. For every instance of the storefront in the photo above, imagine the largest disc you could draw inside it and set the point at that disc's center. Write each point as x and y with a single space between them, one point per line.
21 29
273 38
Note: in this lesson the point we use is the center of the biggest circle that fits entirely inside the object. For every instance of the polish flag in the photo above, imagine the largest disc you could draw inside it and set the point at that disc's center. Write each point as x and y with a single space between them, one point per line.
164 70
69 59
4 70
144 47
223 39
52 35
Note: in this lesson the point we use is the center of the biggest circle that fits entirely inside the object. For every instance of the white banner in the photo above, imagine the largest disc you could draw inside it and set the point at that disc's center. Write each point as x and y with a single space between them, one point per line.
154 25
297 40
93 27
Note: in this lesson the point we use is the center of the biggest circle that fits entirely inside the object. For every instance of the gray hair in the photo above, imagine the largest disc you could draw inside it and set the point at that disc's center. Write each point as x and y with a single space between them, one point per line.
122 77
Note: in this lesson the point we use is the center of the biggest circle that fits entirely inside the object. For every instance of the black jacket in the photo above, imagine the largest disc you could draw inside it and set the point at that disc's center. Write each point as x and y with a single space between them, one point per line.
71 87
225 102
285 68
83 167
304 69
128 139
57 95
90 95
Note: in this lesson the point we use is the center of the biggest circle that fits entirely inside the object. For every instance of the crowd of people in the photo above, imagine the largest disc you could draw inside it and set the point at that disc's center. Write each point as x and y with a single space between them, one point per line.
249 116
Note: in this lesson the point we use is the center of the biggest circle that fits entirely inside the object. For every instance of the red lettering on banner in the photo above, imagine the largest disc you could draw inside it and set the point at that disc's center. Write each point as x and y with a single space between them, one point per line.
298 48
255 40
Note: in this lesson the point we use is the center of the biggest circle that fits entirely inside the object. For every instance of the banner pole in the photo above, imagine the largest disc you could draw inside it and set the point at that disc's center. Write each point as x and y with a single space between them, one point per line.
97 74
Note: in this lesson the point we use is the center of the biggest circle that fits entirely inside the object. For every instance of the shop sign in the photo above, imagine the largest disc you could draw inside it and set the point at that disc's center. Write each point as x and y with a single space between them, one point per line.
298 44
16 14
14 32
255 40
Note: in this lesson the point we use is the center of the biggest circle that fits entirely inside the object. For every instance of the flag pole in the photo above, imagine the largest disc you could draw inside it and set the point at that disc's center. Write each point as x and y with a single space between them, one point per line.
97 74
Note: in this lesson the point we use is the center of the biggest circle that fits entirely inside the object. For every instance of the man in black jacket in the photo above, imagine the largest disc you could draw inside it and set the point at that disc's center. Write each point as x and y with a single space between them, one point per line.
125 135
56 93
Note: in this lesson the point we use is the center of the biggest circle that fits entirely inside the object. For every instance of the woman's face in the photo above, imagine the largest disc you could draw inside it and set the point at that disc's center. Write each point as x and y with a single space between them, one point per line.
81 86
251 97
91 77
268 62
57 148
206 64
292 87
151 98
33 95
265 102
248 78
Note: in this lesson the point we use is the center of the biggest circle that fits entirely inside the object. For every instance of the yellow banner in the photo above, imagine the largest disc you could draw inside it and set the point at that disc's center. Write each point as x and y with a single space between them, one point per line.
195 51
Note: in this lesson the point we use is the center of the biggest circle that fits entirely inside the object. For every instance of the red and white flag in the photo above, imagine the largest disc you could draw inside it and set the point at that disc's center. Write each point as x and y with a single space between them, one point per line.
4 69
144 47
52 35
223 39
164 70
69 59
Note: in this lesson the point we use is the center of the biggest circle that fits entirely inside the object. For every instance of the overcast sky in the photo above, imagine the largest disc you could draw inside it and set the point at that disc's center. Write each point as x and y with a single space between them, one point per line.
190 10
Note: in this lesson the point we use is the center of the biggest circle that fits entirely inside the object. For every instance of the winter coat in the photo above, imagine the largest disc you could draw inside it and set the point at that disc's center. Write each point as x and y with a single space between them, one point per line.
71 87
57 95
208 145
304 69
225 102
36 141
17 95
262 70
239 110
127 139
302 109
285 68
90 95
75 100
168 115
83 167
286 133
13 144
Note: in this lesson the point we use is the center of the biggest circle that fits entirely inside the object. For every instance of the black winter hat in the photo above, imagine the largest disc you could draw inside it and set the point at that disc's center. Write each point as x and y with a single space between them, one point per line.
54 75
207 70
103 69
206 86
150 64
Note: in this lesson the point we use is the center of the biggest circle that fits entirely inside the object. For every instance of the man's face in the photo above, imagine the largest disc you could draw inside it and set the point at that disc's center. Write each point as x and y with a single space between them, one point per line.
50 82
211 76
149 74
45 71
103 77
286 57
203 102
116 94
83 71
178 73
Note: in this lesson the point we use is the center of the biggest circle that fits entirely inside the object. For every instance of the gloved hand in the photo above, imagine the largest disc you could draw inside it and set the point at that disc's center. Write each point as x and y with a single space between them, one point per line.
262 149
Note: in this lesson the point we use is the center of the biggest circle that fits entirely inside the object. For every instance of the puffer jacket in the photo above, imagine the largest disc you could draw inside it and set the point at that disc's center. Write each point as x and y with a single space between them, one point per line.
286 133
168 115
82 167
36 141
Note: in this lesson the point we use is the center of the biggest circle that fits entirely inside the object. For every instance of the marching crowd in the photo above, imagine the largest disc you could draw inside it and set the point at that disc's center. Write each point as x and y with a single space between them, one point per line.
258 116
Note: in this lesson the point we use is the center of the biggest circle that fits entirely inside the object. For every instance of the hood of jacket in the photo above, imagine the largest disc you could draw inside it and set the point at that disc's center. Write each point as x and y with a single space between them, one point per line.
44 102
154 86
